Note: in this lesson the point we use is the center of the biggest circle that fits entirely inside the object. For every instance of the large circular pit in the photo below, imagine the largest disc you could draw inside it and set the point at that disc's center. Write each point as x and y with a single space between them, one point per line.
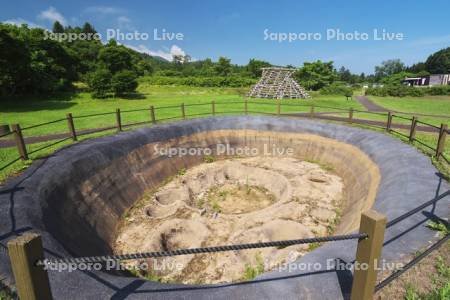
128 192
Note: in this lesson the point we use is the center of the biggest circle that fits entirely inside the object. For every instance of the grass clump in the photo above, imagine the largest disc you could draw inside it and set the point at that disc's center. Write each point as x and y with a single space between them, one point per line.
251 271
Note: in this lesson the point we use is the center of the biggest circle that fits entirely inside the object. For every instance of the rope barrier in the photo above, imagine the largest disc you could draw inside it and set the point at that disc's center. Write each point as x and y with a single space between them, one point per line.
400 117
142 255
6 134
428 124
413 262
94 115
416 210
42 124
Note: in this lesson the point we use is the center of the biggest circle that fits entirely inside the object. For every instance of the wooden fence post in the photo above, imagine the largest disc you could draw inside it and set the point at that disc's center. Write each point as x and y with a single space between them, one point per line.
213 108
118 120
350 115
441 140
278 107
389 122
31 281
183 113
412 133
368 255
72 131
20 141
152 114
246 106
311 112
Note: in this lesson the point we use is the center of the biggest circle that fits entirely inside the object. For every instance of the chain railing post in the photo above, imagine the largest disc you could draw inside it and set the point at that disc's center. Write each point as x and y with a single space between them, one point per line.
279 107
246 107
213 108
183 113
72 131
118 120
350 115
412 132
441 140
368 255
31 280
152 114
20 142
389 122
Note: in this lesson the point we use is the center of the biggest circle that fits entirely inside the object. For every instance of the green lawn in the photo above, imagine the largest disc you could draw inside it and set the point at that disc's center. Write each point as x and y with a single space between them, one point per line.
430 105
29 112
166 100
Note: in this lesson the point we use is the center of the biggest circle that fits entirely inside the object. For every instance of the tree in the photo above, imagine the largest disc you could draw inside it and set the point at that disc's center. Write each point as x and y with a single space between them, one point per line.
14 62
345 75
315 75
57 27
389 67
115 58
439 62
88 28
99 82
254 67
144 67
223 66
124 82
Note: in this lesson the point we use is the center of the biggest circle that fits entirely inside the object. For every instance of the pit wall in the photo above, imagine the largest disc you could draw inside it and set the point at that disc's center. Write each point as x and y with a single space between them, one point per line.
83 209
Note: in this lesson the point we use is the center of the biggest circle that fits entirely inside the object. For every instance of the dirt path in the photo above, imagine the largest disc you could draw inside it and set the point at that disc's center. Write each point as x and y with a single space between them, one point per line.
369 105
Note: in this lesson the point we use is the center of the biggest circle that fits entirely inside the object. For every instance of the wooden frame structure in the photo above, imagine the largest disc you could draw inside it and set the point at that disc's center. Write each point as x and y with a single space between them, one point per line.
277 83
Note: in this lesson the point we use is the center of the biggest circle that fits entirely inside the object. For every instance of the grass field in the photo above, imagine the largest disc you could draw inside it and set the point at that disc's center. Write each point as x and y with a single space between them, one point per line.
430 105
28 112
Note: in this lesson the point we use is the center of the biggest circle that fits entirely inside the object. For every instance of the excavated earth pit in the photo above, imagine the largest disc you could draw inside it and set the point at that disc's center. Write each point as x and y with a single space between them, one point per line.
119 193
235 201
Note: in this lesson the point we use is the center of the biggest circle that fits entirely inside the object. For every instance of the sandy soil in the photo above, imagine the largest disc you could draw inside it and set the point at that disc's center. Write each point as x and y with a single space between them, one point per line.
228 202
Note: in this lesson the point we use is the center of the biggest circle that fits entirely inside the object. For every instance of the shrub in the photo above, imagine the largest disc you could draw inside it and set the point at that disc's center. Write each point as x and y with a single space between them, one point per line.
216 81
402 91
439 90
99 83
335 89
124 82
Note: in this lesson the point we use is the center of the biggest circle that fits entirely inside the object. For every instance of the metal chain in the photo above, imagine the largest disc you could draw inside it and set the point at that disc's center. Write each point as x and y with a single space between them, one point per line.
285 243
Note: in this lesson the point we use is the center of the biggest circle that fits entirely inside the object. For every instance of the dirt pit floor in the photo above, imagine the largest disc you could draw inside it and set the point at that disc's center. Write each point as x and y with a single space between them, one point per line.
242 200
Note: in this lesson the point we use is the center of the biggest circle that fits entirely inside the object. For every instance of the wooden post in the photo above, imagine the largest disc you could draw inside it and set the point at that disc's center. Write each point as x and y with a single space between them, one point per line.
20 141
213 108
183 113
389 122
118 120
311 112
31 281
278 107
350 115
441 140
72 131
368 255
412 133
246 107
152 114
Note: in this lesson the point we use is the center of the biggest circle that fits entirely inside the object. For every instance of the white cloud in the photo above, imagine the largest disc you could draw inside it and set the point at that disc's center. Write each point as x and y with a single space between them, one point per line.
104 10
20 21
124 22
168 54
51 14
175 50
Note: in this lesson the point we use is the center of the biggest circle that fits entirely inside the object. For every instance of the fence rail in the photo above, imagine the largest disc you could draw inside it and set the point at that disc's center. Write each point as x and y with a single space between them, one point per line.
156 114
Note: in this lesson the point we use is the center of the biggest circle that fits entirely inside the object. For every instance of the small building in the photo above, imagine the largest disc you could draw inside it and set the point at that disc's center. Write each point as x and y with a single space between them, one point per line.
429 80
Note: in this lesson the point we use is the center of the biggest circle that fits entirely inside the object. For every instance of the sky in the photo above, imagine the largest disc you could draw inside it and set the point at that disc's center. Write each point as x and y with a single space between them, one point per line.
340 31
